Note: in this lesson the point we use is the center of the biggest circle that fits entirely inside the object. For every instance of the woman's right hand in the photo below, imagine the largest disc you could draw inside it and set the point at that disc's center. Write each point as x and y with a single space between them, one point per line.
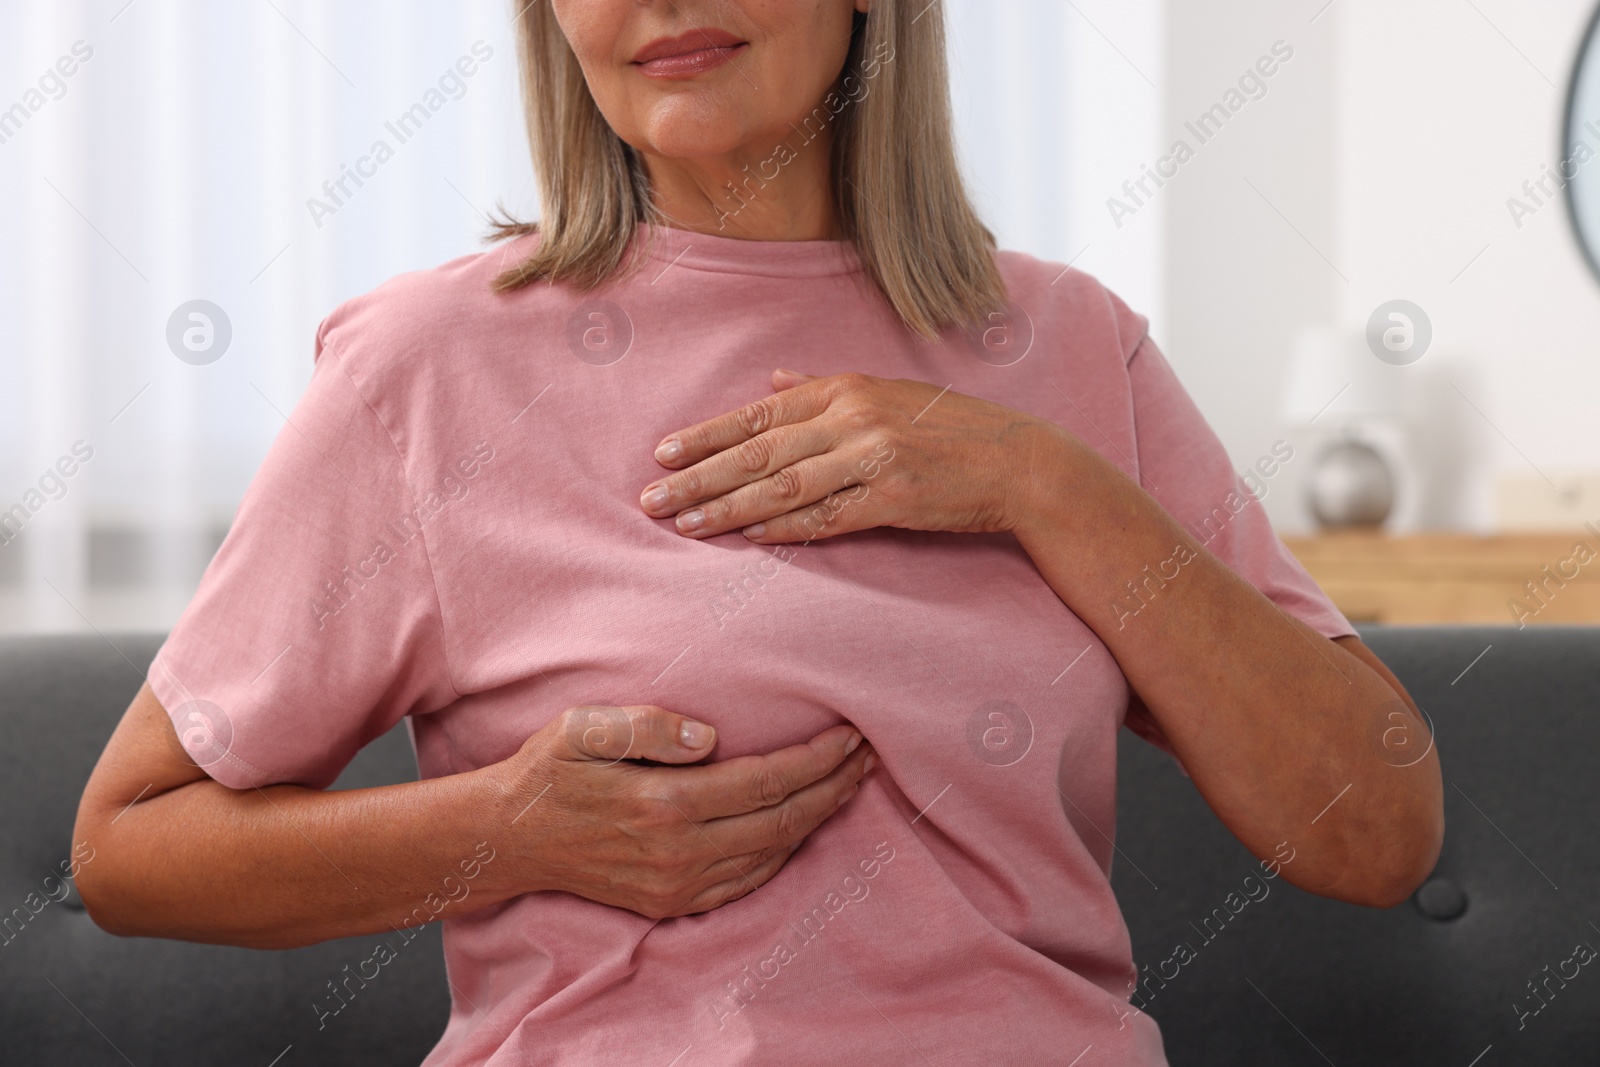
664 840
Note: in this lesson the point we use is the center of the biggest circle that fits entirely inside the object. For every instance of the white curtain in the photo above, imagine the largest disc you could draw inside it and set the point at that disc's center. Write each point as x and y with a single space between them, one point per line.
1058 103
181 158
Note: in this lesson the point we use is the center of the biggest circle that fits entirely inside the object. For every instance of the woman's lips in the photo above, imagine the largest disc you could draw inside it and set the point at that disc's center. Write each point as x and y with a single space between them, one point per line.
692 63
692 52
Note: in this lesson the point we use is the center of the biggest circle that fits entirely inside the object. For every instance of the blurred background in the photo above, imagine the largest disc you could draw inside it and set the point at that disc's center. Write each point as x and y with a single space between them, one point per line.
1348 221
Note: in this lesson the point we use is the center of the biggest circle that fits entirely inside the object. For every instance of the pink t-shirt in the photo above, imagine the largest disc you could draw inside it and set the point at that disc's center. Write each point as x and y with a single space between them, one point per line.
449 529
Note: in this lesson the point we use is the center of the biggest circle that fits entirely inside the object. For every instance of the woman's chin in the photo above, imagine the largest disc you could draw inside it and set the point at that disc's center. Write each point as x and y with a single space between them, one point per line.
693 133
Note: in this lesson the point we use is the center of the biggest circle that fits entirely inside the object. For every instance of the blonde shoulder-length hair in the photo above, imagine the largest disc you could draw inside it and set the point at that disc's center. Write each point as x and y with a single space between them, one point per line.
897 188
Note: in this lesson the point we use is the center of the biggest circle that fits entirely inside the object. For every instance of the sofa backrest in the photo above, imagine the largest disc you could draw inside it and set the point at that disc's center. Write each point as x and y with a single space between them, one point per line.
73 994
1486 962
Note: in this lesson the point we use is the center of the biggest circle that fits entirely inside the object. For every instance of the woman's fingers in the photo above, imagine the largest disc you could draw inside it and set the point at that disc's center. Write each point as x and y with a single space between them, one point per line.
732 868
739 467
790 465
791 821
837 513
688 447
798 489
600 732
784 827
788 379
738 883
787 467
750 783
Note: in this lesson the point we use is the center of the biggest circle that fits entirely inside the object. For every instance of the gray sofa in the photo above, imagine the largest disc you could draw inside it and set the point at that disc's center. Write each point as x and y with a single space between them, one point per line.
1287 978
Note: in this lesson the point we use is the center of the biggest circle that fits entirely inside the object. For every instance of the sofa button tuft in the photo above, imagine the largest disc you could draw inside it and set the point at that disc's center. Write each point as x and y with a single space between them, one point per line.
1440 899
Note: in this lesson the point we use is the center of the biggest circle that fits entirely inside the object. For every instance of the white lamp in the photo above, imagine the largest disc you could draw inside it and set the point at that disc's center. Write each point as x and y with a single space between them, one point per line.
1337 385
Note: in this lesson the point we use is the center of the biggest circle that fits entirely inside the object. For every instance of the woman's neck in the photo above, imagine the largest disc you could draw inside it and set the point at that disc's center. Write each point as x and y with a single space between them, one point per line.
777 193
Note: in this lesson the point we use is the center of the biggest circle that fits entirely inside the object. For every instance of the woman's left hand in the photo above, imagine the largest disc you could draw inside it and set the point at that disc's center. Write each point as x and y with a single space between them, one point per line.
825 456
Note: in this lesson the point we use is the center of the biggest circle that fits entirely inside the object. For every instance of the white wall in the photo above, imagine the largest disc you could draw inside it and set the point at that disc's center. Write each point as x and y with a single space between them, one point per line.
1398 135
1056 106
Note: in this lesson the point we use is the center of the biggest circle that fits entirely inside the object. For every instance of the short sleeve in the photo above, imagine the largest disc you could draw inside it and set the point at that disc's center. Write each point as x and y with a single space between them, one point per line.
1184 466
317 625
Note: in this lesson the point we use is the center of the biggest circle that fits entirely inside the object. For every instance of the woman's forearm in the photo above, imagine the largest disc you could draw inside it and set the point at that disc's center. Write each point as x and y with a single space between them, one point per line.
285 865
1282 730
288 866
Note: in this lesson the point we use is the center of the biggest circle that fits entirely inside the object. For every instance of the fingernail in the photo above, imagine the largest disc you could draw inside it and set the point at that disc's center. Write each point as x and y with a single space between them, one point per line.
850 745
846 798
870 762
691 520
655 498
695 734
669 450
755 531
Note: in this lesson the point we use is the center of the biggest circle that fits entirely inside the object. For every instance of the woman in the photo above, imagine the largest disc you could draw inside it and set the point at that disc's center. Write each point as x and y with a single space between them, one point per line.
547 504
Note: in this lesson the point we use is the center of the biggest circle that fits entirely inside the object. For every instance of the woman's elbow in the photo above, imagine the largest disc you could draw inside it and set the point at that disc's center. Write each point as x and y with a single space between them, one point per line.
108 881
1390 862
119 888
102 888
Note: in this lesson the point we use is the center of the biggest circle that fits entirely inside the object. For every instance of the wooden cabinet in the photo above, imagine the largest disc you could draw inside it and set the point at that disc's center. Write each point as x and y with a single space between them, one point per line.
1450 578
